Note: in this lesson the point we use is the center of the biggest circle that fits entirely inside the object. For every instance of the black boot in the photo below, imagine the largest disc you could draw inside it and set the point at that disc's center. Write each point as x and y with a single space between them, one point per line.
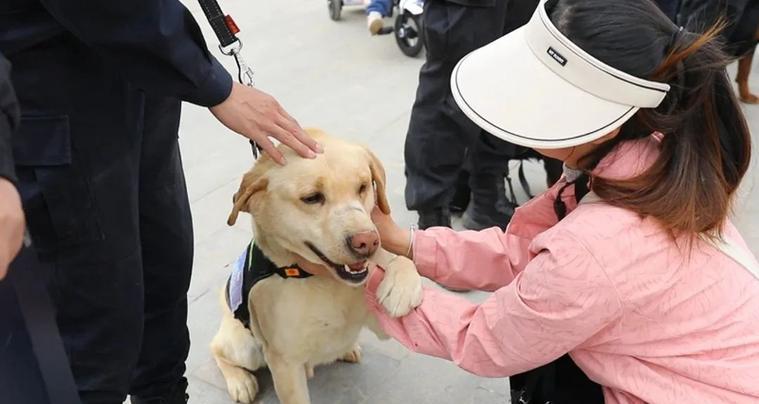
438 217
178 395
489 206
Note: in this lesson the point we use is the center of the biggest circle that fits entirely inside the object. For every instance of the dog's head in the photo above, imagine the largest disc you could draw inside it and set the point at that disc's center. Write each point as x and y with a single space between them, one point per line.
319 209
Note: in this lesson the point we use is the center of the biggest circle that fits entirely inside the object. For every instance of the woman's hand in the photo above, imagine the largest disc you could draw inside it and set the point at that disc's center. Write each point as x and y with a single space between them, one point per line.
11 224
257 116
394 238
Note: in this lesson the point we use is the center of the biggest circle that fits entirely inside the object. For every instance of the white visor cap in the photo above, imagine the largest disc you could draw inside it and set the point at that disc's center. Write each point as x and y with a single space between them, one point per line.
535 88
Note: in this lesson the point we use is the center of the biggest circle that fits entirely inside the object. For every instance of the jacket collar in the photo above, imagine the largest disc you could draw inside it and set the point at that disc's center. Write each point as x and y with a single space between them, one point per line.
630 159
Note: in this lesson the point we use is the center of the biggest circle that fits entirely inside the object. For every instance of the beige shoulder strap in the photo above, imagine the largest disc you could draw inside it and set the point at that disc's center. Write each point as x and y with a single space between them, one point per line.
731 249
739 255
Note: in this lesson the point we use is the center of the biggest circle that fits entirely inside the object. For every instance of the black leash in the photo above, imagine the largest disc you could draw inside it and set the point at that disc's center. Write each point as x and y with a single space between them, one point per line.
226 31
39 315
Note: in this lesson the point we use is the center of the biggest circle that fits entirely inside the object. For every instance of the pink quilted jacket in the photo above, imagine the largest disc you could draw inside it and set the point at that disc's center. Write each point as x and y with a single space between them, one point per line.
639 315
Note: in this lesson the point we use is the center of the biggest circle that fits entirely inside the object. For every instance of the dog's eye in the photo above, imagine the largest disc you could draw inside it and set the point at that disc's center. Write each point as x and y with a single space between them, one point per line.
313 199
362 188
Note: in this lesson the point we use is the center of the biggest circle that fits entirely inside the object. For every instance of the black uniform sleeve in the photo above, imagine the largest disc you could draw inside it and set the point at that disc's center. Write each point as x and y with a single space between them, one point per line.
156 43
8 120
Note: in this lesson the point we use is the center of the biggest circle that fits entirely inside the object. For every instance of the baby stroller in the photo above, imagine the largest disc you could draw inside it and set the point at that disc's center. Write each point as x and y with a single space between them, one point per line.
407 27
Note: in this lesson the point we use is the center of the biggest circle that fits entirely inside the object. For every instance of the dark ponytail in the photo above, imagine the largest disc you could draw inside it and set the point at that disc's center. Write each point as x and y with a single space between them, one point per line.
706 147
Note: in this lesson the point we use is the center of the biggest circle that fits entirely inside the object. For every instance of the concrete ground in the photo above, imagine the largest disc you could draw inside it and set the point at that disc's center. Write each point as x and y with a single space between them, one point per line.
331 75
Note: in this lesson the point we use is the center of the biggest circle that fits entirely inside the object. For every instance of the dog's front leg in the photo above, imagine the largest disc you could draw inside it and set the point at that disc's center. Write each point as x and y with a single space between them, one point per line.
373 325
290 380
401 289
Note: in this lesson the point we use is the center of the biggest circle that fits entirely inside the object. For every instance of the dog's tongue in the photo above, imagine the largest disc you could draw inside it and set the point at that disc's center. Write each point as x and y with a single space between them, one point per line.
357 266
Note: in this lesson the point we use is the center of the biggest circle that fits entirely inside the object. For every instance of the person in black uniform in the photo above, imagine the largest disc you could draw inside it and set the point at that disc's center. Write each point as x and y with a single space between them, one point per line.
33 364
100 176
440 138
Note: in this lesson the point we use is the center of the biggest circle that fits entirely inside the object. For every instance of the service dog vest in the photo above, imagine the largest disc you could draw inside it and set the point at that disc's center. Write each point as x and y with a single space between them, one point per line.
251 267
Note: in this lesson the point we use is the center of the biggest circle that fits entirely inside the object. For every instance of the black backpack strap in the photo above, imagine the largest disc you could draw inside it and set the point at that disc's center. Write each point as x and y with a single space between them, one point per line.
512 195
523 181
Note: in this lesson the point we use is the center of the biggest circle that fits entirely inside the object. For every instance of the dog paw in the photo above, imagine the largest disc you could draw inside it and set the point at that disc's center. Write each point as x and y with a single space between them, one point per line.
353 356
309 371
401 289
243 387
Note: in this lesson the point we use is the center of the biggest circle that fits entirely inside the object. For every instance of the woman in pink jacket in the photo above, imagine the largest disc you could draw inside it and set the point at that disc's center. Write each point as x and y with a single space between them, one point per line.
642 281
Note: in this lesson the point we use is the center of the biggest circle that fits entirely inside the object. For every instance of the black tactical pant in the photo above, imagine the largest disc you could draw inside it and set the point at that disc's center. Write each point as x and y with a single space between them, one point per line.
441 139
106 204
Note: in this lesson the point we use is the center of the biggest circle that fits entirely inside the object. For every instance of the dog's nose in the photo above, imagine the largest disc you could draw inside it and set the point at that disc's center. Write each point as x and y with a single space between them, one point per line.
364 243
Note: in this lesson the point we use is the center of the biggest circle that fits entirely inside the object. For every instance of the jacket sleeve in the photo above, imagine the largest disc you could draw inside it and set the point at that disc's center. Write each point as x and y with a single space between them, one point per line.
8 120
558 302
481 260
156 43
488 259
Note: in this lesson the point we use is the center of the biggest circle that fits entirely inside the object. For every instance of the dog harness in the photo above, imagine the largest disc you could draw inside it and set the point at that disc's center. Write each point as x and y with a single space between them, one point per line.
251 267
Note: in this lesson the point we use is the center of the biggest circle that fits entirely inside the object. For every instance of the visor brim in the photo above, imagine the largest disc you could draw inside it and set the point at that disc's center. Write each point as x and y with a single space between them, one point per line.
506 90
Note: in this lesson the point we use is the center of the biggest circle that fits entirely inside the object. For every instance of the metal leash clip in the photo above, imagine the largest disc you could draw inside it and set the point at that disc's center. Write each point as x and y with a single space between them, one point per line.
244 76
244 70
226 31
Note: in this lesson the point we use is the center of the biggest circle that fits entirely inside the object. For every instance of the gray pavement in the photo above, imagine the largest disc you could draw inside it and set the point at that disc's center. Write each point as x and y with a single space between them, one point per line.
334 76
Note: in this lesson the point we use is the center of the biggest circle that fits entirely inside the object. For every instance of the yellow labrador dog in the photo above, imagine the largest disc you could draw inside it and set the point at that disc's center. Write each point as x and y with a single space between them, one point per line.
320 210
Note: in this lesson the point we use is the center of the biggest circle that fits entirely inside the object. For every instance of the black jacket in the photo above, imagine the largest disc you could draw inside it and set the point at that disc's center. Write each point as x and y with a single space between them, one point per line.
81 69
8 119
742 17
155 44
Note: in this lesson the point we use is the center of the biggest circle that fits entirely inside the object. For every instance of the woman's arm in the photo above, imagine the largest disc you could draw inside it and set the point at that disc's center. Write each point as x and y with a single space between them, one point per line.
561 299
484 260
481 260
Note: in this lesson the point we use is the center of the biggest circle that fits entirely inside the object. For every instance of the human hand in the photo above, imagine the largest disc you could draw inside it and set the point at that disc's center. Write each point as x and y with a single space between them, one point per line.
394 238
11 225
258 116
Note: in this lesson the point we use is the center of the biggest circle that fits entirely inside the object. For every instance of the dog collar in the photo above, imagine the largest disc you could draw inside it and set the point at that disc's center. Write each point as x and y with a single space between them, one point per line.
259 264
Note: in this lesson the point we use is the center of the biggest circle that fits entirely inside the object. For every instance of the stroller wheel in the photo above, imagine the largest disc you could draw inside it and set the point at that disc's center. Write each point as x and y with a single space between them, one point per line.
409 34
335 7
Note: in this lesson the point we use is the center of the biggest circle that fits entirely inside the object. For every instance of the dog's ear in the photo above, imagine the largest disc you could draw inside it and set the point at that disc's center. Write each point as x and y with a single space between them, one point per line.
379 179
250 185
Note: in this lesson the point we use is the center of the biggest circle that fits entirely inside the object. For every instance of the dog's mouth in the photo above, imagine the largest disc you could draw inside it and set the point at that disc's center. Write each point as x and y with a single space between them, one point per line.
352 273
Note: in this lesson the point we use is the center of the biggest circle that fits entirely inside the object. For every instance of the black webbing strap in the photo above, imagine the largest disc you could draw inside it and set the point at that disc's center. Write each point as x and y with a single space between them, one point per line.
218 21
257 267
523 181
39 315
